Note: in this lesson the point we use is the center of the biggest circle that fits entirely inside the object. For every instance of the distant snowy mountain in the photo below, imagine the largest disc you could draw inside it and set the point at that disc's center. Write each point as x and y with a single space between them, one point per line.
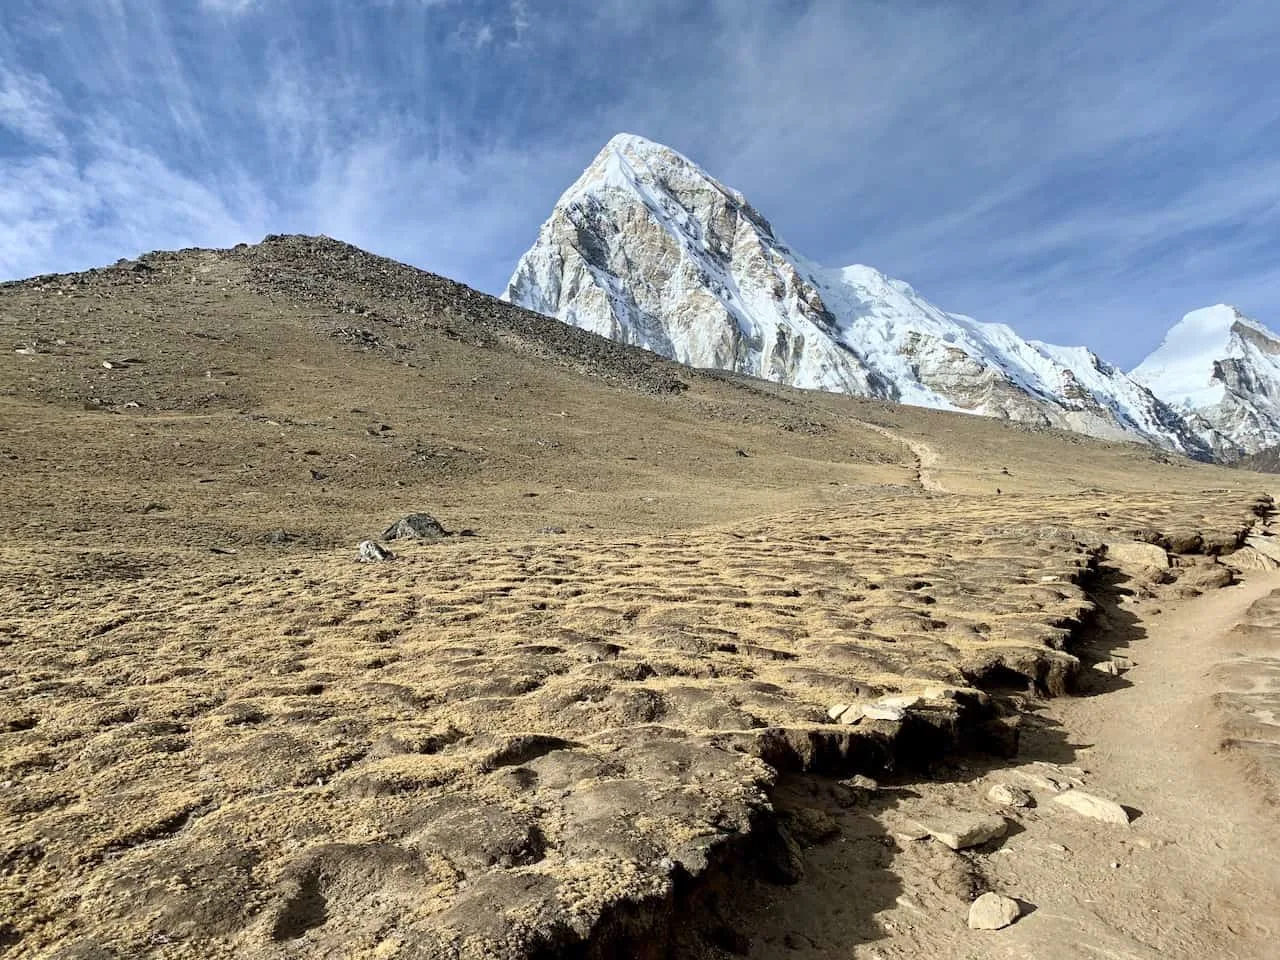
1221 370
648 249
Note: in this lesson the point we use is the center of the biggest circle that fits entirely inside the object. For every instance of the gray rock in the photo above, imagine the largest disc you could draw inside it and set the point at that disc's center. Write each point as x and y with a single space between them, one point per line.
415 526
960 831
1006 795
1095 808
1258 553
902 701
991 911
1131 554
373 552
881 711
909 831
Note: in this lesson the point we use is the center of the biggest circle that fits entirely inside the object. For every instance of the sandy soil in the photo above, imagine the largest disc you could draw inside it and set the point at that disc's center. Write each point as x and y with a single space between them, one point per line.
1197 874
601 722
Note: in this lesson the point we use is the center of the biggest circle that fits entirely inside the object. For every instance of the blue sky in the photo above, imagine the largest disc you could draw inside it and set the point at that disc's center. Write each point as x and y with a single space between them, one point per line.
1086 172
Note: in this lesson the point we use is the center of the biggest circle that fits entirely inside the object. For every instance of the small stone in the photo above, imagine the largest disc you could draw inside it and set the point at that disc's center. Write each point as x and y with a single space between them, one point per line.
1108 667
551 530
902 701
1095 808
836 709
373 552
880 711
1006 795
991 911
963 830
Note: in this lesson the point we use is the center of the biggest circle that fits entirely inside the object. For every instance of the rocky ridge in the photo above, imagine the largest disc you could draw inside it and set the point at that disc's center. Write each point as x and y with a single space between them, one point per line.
646 248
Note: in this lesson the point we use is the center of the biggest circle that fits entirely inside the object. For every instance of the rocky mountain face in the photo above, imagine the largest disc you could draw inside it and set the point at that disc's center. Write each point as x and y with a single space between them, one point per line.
1221 371
648 249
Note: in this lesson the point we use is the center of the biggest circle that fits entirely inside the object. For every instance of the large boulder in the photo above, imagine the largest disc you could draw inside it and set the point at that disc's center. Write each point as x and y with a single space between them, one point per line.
415 526
1131 554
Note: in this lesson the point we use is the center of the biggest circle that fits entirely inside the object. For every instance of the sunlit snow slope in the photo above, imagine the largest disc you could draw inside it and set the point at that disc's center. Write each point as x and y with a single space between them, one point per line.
1222 371
649 249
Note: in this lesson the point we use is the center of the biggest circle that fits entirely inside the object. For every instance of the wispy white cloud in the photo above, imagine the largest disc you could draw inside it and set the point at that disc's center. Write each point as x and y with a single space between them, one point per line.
27 108
232 7
1083 171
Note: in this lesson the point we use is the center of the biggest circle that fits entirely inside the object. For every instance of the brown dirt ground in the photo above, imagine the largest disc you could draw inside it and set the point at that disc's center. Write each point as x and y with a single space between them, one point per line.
221 736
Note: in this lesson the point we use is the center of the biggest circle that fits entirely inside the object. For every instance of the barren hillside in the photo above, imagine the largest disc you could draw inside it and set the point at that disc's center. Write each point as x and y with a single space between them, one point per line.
557 731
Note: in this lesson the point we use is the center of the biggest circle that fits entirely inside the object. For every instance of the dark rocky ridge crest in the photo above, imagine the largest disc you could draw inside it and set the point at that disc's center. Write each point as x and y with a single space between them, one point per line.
378 288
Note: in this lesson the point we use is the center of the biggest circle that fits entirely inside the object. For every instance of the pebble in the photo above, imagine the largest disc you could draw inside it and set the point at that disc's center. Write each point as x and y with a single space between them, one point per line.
1095 808
991 911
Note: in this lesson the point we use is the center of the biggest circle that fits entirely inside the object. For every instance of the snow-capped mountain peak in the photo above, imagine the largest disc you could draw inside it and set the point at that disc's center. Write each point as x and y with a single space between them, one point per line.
1222 370
648 248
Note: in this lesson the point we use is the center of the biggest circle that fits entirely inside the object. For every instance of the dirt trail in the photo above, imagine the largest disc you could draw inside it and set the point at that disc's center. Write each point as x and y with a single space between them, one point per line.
926 457
1196 874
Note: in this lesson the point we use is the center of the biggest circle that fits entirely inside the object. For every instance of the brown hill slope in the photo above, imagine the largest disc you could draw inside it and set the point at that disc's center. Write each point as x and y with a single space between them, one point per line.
224 737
